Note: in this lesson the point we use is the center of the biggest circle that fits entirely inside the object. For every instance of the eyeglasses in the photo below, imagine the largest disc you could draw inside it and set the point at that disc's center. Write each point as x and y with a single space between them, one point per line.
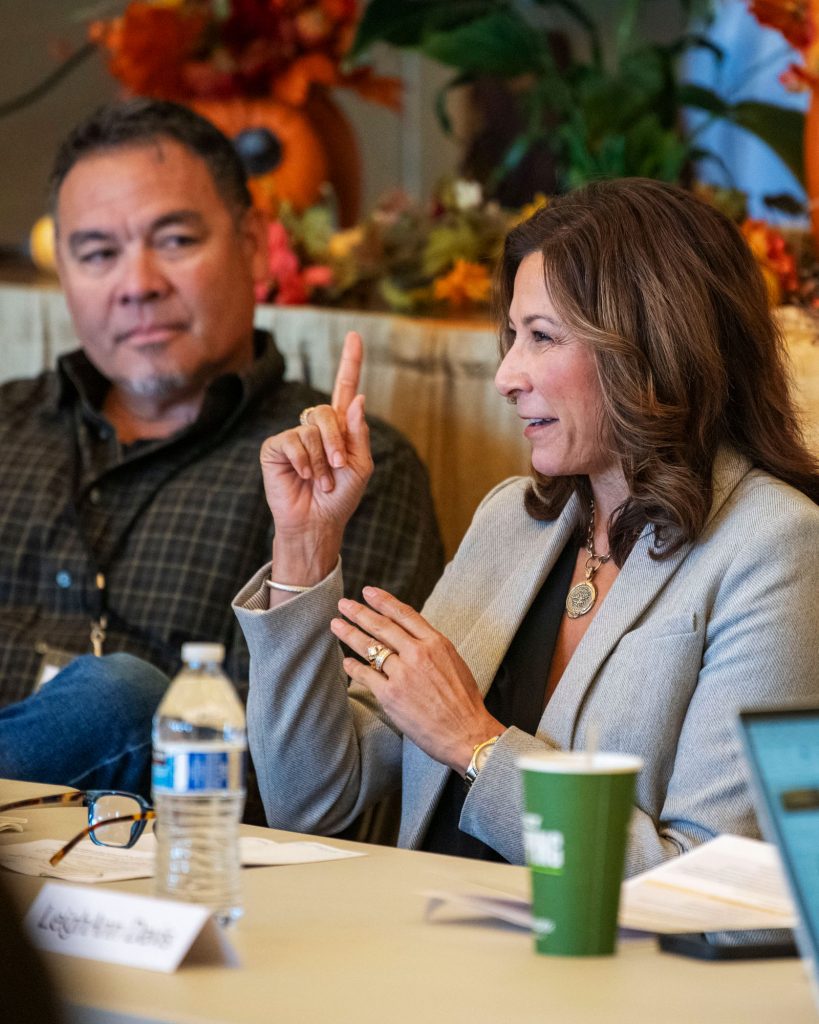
114 818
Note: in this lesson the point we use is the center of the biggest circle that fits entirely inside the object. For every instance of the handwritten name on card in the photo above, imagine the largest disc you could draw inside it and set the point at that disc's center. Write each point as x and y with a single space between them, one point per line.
121 928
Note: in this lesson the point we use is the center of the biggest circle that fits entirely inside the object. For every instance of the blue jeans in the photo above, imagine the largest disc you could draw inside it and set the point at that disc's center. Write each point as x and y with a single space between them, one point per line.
90 727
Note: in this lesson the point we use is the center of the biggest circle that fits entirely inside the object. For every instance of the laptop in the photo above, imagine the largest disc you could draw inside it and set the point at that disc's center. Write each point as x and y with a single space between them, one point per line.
782 747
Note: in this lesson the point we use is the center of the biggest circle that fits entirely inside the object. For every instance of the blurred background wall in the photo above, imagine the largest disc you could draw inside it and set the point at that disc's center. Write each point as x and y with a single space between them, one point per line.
407 150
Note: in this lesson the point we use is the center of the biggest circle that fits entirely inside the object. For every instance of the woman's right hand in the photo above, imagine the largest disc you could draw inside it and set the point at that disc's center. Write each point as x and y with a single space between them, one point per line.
315 475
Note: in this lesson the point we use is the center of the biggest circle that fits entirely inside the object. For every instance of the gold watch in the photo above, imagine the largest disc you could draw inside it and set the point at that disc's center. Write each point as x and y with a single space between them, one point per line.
480 755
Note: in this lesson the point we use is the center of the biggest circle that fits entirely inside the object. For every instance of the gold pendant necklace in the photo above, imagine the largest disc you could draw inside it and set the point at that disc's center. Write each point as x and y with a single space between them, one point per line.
580 599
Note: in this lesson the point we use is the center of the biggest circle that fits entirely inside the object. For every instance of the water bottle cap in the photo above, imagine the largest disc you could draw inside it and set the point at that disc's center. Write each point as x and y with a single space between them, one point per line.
197 654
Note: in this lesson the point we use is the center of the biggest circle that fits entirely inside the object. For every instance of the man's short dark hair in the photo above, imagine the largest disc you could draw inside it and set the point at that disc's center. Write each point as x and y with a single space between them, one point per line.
144 121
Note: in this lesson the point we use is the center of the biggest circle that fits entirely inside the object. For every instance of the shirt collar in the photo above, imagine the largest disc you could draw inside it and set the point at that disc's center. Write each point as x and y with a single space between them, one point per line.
231 393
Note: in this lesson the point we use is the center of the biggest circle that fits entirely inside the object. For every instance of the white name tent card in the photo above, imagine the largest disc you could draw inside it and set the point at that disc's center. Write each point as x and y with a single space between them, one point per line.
122 928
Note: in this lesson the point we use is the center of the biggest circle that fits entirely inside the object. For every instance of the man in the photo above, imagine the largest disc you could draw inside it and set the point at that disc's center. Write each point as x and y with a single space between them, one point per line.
133 507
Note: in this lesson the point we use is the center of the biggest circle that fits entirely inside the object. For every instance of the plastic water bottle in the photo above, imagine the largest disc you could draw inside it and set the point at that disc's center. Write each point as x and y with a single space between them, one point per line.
198 779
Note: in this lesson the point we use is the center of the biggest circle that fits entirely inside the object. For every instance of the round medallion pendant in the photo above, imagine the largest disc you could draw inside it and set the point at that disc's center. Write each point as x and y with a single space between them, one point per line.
580 599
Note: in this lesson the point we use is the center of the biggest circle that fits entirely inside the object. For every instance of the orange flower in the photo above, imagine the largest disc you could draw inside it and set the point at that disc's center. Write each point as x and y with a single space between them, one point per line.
149 46
187 49
375 88
793 18
798 21
294 85
466 283
314 26
775 259
340 11
538 202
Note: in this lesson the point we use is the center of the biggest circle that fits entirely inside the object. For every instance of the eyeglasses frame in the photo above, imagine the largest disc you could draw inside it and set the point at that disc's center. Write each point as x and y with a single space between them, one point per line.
87 798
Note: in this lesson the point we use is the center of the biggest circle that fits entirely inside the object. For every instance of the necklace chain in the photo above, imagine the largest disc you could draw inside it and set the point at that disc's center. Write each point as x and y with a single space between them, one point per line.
582 597
593 556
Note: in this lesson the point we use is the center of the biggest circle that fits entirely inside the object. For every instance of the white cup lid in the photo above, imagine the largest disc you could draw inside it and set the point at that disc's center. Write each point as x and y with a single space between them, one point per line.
581 762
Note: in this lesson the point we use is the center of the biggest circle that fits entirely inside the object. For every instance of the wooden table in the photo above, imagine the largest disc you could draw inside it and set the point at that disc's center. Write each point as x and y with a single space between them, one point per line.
347 941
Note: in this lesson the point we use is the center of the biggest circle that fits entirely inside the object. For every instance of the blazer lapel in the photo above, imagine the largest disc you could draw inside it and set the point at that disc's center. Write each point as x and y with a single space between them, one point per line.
640 581
532 555
637 585
532 552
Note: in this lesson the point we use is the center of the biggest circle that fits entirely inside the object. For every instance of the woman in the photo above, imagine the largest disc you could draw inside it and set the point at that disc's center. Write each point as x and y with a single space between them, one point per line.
656 573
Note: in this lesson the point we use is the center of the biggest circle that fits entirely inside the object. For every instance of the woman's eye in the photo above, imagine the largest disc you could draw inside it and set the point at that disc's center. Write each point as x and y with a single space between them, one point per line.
542 337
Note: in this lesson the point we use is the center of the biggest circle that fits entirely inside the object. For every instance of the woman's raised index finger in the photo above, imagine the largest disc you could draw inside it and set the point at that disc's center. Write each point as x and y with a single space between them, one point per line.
349 371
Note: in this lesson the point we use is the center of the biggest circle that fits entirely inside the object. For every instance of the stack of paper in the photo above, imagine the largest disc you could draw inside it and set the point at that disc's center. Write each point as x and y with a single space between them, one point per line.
728 884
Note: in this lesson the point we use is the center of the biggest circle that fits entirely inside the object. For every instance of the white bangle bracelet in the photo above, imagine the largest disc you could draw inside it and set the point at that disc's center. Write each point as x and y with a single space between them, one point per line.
291 588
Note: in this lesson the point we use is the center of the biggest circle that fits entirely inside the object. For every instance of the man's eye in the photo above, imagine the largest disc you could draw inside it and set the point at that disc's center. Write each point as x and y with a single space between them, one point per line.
176 241
96 256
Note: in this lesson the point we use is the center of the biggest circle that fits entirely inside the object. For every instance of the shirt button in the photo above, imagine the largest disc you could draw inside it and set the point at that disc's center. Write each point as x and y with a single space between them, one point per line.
63 579
105 433
94 496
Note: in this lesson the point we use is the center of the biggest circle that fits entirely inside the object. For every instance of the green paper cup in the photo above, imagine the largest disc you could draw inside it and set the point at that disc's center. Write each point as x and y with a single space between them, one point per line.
576 809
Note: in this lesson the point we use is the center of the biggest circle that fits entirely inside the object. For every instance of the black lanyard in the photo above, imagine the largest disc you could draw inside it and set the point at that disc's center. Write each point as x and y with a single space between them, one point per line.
102 615
100 612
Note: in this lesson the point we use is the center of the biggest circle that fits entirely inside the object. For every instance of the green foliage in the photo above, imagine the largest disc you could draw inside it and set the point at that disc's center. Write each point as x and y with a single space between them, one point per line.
312 230
616 115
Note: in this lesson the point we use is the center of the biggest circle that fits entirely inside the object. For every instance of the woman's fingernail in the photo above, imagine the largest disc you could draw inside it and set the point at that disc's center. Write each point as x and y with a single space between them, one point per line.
326 483
338 460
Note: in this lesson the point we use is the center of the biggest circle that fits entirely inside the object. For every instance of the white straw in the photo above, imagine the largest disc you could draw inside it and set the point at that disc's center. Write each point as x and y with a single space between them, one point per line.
592 741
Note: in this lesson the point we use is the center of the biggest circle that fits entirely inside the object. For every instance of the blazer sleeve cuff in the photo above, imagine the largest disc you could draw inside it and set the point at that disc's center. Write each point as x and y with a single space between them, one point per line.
493 807
255 594
258 621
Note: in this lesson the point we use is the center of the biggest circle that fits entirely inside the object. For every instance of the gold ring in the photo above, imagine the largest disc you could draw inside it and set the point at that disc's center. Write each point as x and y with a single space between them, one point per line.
377 654
381 657
305 422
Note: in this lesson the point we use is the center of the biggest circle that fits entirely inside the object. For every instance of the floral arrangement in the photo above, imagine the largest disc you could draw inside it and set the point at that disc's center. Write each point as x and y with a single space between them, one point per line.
220 49
775 258
438 258
409 257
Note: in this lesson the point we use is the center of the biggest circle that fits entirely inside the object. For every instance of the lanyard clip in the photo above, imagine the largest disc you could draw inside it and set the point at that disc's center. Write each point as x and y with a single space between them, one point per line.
99 627
98 635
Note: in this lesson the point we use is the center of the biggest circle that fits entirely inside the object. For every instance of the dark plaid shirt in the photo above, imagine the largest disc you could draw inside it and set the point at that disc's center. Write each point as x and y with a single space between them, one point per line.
175 525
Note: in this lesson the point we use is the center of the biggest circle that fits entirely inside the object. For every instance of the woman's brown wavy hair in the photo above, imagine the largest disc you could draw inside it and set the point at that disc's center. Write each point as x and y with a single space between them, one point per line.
665 291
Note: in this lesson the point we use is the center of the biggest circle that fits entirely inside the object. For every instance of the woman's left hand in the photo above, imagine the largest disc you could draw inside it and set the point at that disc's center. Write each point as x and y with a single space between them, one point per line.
425 686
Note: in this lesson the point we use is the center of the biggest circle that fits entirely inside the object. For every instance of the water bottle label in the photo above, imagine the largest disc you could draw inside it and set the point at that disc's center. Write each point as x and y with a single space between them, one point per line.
198 771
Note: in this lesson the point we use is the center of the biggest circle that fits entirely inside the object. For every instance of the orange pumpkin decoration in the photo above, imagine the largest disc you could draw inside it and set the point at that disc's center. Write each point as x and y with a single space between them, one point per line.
317 146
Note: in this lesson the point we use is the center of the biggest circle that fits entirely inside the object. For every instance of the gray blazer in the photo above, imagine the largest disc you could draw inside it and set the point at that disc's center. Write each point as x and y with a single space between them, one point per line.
678 647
